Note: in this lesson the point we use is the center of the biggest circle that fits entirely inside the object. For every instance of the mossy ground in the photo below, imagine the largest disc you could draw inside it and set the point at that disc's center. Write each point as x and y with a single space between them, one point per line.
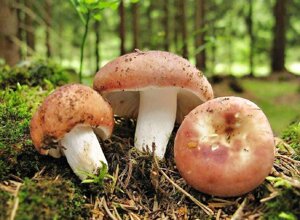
39 187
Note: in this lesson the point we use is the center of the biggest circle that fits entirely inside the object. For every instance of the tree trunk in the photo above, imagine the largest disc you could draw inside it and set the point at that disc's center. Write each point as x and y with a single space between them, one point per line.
149 25
176 24
183 29
48 21
249 24
122 27
29 29
20 32
166 25
9 51
97 42
200 34
278 50
135 23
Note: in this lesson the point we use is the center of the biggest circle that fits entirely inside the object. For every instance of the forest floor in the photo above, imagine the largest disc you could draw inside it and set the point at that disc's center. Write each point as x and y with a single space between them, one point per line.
40 187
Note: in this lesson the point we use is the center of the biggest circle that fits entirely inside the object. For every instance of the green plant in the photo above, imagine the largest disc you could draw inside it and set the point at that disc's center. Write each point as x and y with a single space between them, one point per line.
98 179
87 10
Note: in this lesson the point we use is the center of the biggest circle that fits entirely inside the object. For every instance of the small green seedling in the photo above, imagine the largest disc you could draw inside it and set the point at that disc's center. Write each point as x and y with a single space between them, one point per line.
99 178
87 10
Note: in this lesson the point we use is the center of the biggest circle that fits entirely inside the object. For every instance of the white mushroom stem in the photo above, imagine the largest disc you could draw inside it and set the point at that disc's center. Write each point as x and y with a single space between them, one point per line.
83 151
155 122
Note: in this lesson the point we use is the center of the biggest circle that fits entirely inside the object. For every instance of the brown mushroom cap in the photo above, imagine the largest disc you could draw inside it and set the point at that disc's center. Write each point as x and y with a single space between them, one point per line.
225 147
65 108
141 70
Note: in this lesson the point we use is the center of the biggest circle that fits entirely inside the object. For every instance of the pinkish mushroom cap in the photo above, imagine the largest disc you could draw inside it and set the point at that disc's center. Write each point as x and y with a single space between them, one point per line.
157 87
64 124
225 147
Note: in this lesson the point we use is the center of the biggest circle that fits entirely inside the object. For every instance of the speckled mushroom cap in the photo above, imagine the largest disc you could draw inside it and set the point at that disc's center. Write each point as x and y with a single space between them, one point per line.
225 147
65 108
153 69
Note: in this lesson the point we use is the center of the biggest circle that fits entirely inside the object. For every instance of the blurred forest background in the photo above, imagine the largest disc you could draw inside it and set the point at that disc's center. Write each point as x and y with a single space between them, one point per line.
221 37
236 38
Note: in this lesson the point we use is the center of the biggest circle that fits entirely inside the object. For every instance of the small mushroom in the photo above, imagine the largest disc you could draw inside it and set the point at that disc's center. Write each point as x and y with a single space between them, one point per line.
155 87
64 123
225 147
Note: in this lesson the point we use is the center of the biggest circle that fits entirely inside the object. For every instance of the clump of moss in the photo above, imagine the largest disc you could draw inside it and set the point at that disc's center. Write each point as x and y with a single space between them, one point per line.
38 73
16 107
292 136
4 198
50 199
284 206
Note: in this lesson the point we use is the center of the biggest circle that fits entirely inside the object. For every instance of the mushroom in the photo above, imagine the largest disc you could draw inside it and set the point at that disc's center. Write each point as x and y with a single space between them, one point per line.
64 123
155 87
225 147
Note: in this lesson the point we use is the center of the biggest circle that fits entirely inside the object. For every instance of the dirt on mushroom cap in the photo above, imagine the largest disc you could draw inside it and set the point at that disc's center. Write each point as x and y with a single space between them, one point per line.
66 107
152 69
225 147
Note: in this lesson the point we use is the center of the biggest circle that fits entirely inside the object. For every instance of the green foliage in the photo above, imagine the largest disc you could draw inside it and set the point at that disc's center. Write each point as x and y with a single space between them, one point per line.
38 73
51 199
16 108
292 136
98 179
93 7
88 9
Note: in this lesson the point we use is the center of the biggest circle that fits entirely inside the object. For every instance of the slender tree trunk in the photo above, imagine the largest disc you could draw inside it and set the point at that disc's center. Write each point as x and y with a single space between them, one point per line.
229 45
48 21
29 29
176 24
278 50
135 23
122 27
249 24
166 25
149 25
97 44
183 29
9 51
213 50
20 33
200 34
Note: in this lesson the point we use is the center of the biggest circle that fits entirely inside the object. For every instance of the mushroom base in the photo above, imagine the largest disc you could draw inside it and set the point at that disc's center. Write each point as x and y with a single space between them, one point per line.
157 115
82 150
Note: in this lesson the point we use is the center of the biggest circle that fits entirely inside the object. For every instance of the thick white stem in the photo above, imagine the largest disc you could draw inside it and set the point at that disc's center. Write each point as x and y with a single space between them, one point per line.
82 150
157 114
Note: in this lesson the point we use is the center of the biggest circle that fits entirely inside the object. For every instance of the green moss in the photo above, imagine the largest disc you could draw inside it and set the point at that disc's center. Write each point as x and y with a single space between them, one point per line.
284 206
5 197
50 199
16 108
38 73
292 136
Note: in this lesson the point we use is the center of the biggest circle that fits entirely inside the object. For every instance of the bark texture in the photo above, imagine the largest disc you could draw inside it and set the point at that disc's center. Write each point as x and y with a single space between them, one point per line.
9 51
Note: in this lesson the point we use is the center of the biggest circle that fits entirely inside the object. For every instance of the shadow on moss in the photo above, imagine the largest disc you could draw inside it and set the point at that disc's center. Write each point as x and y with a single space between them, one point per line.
46 198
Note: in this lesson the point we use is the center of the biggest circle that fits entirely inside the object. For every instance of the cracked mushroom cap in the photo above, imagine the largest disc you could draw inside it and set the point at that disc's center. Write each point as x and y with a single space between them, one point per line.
65 108
225 147
119 80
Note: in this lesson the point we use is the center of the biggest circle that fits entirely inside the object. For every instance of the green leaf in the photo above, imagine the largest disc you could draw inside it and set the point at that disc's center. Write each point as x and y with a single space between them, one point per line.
87 181
97 17
287 216
75 3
